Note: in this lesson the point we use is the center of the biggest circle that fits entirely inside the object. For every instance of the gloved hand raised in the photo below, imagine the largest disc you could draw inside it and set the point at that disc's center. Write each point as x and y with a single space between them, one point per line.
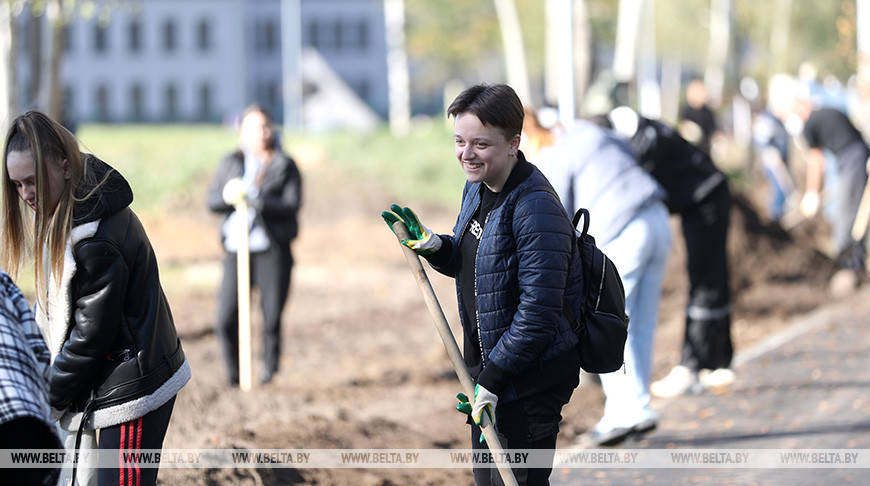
422 240
235 191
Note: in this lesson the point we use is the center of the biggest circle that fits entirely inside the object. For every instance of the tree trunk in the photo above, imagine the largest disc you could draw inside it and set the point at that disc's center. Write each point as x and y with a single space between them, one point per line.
514 53
291 53
53 41
8 62
625 50
648 91
863 72
717 53
397 68
779 32
582 52
560 72
553 41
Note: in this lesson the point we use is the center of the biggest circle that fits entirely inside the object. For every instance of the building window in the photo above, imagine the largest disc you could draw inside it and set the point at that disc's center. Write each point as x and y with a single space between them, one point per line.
203 35
362 35
205 102
170 102
269 93
273 93
137 103
101 103
266 37
312 31
134 36
363 89
101 38
68 101
68 114
169 34
337 35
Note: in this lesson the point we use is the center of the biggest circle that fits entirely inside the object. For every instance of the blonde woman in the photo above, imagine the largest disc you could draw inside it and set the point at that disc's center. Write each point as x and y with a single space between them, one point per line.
116 360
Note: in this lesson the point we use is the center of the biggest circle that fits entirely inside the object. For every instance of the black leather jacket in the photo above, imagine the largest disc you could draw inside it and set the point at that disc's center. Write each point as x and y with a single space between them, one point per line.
121 350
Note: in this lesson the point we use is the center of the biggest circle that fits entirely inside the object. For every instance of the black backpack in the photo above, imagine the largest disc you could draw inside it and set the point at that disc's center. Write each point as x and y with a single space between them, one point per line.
602 327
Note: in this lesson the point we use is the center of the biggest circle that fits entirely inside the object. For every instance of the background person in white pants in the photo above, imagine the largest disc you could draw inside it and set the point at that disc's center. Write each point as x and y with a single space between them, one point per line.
590 167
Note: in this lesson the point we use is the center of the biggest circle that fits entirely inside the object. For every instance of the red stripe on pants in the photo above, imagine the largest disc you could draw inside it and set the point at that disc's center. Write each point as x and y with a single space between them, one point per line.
121 448
138 448
130 441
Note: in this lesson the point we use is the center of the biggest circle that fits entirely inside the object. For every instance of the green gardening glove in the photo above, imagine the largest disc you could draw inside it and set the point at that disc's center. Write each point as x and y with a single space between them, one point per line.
465 407
484 401
423 241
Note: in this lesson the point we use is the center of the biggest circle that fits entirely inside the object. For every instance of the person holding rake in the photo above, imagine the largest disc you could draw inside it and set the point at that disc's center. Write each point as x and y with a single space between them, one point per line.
511 254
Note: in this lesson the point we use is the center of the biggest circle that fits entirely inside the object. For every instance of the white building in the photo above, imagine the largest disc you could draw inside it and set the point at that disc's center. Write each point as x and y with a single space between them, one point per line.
204 60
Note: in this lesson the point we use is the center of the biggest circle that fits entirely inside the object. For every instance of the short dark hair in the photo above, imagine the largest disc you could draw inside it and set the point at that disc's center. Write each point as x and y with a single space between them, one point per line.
496 105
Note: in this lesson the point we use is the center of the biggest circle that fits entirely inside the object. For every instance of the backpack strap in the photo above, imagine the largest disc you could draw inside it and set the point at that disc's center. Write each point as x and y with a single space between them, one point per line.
583 214
535 189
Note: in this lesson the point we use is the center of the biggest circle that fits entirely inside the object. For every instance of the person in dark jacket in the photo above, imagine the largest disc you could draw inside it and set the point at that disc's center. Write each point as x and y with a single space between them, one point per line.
512 256
830 129
698 191
117 361
260 173
697 122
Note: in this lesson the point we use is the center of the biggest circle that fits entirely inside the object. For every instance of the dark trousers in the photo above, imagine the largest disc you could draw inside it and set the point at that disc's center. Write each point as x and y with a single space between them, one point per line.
707 340
530 423
852 177
144 433
270 274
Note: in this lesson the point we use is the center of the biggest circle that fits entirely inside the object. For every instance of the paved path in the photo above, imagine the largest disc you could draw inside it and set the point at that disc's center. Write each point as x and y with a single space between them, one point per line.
804 390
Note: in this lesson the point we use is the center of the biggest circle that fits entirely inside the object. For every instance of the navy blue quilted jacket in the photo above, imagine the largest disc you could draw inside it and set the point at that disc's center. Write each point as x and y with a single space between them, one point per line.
525 267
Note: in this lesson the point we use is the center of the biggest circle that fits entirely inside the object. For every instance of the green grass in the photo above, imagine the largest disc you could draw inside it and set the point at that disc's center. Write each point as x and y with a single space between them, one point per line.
419 168
166 165
169 166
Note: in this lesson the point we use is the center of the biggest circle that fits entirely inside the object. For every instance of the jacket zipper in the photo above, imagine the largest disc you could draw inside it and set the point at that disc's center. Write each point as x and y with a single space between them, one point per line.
477 307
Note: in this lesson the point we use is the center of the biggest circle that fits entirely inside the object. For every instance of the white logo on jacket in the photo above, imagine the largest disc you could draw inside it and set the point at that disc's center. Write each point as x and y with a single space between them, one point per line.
476 229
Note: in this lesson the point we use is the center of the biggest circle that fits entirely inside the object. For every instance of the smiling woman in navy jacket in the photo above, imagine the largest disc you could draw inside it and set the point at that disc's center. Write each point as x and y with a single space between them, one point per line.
511 256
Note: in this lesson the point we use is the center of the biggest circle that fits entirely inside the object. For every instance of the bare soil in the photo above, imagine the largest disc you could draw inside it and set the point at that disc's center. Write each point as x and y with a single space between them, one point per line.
362 364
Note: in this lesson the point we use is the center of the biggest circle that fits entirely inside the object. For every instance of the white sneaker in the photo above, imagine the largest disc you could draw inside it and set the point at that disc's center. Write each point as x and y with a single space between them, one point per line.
680 381
716 378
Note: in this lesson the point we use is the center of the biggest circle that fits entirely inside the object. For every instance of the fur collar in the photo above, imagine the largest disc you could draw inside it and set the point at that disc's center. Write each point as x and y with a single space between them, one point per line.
54 318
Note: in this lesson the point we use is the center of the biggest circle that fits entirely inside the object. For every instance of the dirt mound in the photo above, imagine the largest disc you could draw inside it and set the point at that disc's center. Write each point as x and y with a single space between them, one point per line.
773 270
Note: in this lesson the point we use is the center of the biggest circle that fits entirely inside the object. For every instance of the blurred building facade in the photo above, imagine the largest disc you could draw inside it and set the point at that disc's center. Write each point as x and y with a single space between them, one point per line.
187 61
